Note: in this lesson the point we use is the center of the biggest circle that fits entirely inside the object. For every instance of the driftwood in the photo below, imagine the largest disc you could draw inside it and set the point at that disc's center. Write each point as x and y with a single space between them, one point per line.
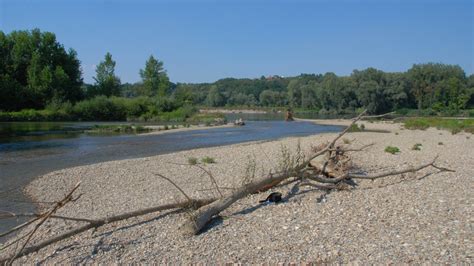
107 220
327 168
332 168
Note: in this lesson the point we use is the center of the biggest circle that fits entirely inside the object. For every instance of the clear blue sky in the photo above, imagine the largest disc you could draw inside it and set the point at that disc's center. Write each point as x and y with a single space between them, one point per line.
202 41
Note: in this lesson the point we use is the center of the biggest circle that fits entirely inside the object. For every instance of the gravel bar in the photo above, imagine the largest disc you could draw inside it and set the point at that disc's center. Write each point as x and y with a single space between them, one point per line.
413 218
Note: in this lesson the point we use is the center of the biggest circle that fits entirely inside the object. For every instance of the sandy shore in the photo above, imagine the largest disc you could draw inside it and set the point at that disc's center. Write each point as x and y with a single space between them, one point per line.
424 219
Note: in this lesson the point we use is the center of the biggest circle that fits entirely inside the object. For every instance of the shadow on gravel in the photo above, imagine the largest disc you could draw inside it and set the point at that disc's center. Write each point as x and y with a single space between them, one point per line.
216 221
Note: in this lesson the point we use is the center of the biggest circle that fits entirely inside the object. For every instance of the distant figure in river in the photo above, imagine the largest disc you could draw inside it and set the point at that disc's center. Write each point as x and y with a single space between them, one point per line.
289 115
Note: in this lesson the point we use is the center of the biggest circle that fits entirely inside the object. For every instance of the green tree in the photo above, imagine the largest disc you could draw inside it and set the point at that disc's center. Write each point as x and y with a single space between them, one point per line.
35 70
426 79
106 82
215 97
154 78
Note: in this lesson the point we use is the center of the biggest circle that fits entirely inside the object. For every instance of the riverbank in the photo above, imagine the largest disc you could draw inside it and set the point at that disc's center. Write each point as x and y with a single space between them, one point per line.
426 219
158 130
232 111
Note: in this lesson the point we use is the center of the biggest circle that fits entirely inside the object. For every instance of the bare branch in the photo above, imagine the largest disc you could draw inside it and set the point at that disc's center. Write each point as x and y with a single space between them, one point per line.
107 220
213 180
12 215
174 184
18 227
354 149
43 219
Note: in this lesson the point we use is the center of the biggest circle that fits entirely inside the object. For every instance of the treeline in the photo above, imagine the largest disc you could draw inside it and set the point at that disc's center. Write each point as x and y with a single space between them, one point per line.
435 88
37 73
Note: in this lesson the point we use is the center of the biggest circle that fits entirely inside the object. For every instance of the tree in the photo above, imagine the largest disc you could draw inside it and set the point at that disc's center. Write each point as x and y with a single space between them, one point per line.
272 98
36 70
425 80
107 83
154 78
215 97
372 97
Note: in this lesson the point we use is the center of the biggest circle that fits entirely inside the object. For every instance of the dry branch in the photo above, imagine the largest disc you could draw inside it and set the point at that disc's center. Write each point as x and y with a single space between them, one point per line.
68 198
100 222
174 184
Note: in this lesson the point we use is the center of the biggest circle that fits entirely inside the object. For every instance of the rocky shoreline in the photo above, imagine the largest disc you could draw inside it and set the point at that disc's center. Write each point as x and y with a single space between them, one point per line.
418 218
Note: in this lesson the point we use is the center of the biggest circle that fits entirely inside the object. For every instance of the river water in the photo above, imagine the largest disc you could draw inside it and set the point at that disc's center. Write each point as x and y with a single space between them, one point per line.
29 150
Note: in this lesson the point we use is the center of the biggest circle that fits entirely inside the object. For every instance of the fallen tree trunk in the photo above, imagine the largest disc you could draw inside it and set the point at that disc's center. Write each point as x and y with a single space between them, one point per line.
204 215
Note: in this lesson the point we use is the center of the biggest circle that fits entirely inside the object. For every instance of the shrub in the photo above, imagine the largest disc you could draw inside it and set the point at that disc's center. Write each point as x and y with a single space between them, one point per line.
101 108
416 147
208 159
357 128
440 143
392 150
192 161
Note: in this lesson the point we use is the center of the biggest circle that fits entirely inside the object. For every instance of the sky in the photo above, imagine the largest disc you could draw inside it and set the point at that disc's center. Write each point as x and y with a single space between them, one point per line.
203 41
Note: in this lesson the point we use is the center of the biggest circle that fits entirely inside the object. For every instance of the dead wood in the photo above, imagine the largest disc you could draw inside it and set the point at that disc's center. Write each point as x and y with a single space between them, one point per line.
203 215
107 220
68 198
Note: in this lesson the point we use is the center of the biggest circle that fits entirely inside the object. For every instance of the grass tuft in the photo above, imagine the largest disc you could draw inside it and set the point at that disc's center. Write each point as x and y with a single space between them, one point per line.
192 160
208 159
392 150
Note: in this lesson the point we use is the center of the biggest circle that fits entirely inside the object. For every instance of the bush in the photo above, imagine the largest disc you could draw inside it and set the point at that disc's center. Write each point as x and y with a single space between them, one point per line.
192 161
392 150
356 128
101 108
208 159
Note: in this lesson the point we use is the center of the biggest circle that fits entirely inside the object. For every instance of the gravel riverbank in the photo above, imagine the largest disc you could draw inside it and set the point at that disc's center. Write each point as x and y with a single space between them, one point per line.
424 219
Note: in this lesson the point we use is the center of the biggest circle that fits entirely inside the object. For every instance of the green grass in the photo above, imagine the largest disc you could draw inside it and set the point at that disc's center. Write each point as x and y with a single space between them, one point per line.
453 125
357 128
208 159
392 150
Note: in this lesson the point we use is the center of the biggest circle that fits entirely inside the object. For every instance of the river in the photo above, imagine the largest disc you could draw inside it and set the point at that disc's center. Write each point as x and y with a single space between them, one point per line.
29 150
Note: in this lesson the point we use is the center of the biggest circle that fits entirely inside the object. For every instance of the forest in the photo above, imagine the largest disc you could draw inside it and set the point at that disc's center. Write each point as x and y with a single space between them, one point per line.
40 80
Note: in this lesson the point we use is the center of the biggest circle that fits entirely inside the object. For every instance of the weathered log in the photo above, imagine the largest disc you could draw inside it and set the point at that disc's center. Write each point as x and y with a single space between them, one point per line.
203 215
101 222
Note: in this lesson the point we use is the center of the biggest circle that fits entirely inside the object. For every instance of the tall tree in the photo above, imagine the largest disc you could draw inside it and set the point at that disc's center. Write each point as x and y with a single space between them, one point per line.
154 77
107 83
215 97
36 70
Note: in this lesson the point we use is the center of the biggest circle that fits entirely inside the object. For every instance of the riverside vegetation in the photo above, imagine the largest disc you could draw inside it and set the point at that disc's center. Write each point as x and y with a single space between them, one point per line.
42 81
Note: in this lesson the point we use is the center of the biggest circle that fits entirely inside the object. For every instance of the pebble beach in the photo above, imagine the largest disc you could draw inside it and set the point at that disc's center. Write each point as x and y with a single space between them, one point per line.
424 217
